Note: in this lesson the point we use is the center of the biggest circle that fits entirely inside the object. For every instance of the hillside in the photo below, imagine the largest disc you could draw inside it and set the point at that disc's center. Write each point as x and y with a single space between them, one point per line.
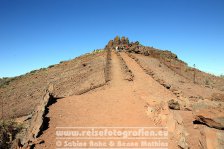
124 85
23 93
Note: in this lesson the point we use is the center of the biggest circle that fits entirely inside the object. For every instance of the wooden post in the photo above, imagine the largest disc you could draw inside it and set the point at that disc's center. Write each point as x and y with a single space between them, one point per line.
2 109
194 74
180 68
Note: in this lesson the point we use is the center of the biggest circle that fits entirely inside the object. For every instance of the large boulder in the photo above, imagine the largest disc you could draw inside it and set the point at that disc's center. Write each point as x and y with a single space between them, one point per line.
110 44
124 40
210 113
121 43
117 41
173 105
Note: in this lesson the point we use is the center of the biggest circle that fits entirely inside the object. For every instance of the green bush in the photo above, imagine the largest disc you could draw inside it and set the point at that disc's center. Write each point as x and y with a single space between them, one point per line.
5 81
97 51
207 82
61 62
50 66
33 71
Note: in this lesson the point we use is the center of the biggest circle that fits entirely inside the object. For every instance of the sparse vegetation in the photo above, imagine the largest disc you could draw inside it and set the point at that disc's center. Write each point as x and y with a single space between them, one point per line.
42 68
33 71
5 81
137 43
93 70
61 62
8 131
51 66
32 85
207 82
97 50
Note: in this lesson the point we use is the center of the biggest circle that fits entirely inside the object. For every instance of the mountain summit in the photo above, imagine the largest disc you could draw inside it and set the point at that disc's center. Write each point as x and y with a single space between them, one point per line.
125 85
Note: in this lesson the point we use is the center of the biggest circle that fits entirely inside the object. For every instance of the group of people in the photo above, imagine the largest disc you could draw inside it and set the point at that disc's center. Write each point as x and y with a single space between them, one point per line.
121 48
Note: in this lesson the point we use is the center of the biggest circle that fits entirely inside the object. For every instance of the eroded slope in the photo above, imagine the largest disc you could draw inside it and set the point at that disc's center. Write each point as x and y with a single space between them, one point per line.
22 94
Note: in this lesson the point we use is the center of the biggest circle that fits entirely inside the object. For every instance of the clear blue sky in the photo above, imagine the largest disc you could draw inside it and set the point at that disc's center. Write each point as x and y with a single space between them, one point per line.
38 33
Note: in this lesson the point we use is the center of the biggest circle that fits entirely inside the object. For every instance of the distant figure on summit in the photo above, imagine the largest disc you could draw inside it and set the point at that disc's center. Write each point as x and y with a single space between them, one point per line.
116 48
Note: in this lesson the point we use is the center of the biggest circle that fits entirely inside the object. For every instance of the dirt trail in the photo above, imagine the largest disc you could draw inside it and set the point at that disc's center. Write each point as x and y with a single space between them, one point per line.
121 103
